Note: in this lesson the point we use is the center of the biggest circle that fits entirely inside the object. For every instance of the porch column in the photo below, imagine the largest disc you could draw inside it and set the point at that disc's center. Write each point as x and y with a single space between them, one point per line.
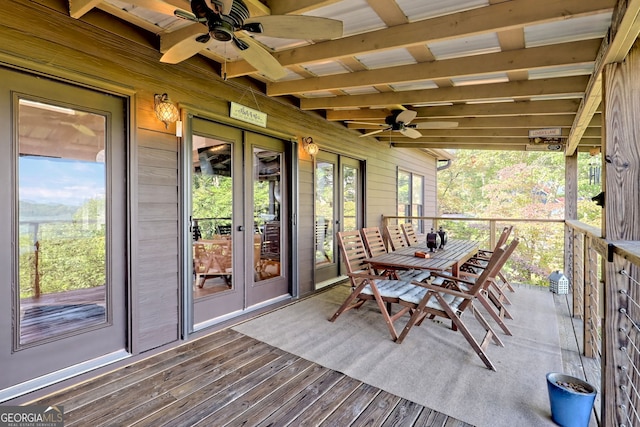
621 222
570 213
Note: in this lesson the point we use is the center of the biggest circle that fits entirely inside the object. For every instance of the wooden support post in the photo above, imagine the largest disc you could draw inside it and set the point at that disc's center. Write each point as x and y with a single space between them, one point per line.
621 172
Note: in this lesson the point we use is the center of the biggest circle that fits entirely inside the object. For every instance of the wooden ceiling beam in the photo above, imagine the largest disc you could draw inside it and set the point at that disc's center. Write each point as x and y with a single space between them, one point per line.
478 146
489 19
489 133
514 90
296 7
581 52
526 122
557 106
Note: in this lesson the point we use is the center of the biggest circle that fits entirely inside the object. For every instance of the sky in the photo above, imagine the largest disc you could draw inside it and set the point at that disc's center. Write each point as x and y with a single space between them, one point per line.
63 181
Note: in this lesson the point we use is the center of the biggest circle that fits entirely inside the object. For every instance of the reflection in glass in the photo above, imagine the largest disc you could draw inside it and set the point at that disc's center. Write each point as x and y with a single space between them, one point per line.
267 166
212 210
61 220
325 172
350 203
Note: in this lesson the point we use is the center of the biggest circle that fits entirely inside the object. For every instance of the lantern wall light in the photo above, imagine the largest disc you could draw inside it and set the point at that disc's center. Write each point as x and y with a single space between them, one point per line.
310 146
165 110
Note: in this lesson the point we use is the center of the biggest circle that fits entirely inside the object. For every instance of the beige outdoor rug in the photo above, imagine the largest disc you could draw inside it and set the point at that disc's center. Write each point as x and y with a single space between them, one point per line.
434 366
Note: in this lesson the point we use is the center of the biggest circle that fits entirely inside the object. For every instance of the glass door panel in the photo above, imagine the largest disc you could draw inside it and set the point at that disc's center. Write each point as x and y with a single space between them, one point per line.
267 213
62 222
216 282
64 170
338 207
325 216
267 221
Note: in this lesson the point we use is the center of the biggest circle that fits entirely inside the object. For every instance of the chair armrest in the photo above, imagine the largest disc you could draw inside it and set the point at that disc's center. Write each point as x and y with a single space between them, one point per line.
441 289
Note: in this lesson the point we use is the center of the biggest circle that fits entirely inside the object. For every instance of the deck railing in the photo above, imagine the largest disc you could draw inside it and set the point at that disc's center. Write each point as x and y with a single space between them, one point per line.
604 278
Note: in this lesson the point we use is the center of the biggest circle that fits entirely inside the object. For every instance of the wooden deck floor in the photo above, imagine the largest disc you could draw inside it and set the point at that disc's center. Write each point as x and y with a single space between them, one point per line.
229 379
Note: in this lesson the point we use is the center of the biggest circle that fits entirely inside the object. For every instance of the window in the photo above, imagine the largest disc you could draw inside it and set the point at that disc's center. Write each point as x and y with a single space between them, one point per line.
411 197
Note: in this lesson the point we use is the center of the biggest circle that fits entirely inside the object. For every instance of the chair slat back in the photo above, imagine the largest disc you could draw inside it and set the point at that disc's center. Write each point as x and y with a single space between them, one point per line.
395 237
410 234
506 232
353 252
485 277
373 241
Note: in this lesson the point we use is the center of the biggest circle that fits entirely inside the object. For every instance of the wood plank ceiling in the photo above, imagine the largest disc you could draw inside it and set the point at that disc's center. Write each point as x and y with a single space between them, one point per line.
496 68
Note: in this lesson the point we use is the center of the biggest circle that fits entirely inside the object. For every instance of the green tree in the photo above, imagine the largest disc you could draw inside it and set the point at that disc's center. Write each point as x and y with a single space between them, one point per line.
516 184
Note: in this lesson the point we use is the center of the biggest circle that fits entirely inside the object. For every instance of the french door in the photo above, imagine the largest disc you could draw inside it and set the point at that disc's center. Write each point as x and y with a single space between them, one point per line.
238 231
338 207
63 223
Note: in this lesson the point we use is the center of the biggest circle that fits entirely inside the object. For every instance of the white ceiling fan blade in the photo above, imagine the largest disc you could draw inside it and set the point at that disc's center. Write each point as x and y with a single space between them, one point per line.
373 132
184 49
406 116
260 58
435 125
298 27
226 6
411 133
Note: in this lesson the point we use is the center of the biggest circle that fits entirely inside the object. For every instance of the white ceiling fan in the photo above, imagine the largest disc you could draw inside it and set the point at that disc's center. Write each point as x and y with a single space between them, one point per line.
400 120
229 21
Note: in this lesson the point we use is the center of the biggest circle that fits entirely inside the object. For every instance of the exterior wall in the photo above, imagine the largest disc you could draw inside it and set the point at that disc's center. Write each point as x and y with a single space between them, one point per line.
40 36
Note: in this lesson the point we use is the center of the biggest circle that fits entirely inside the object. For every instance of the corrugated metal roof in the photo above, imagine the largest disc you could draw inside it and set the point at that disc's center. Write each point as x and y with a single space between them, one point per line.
567 30
416 10
387 58
465 46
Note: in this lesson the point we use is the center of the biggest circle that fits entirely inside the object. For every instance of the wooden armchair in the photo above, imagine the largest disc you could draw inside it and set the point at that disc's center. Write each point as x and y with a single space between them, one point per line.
365 284
410 234
395 237
489 296
485 254
211 259
450 300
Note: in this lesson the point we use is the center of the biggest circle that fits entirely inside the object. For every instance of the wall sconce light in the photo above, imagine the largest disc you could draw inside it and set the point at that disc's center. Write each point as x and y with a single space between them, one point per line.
166 112
310 146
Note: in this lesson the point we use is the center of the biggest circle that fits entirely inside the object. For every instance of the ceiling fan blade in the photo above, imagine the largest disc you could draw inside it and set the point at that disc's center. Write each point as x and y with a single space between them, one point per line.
373 132
259 57
226 6
295 27
435 125
406 116
411 133
185 49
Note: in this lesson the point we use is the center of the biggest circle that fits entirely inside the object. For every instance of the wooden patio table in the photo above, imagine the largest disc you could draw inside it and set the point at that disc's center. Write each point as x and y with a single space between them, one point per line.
455 253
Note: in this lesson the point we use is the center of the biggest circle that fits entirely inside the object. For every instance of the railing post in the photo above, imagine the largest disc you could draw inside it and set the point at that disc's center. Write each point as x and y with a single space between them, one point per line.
579 267
492 234
591 300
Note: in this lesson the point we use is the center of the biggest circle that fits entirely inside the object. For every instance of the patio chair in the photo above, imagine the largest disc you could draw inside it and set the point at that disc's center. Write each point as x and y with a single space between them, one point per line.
450 300
373 241
367 286
410 234
395 237
489 295
485 254
212 259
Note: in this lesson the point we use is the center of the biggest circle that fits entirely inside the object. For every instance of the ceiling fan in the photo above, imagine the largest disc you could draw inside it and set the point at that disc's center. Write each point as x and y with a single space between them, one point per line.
230 21
400 120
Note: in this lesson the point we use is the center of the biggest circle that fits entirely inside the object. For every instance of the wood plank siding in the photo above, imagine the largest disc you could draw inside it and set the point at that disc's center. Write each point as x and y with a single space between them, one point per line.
230 379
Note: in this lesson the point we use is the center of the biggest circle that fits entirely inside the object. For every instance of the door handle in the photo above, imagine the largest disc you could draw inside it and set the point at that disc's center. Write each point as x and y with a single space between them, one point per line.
241 228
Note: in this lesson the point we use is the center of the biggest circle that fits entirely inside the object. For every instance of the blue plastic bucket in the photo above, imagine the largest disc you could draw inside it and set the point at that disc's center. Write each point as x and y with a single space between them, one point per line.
570 408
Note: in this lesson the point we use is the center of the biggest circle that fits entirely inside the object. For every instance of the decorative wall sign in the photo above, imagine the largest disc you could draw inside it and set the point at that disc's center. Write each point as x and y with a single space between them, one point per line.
249 115
545 133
